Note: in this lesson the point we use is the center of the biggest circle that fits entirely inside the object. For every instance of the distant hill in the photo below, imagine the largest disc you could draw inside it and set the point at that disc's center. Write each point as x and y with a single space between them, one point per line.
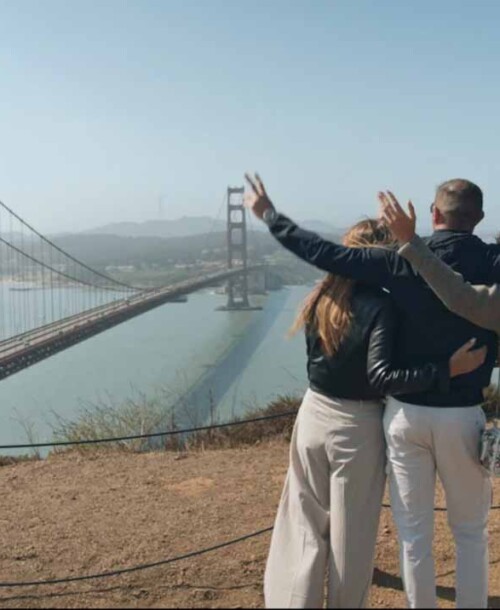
102 250
161 243
181 227
188 226
322 227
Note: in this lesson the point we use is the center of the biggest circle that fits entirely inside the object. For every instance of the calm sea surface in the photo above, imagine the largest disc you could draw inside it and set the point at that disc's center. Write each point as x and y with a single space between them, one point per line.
186 353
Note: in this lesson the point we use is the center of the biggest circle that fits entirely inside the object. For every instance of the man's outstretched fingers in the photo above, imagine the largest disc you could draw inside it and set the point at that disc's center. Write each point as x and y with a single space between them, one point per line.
381 206
260 184
384 200
385 204
389 215
252 184
394 202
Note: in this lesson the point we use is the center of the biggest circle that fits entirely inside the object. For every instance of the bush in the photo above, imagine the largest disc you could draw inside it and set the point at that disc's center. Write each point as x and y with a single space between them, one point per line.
246 434
107 420
135 417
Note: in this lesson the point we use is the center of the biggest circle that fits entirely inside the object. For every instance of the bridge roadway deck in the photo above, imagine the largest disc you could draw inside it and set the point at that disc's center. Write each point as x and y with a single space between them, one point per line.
24 350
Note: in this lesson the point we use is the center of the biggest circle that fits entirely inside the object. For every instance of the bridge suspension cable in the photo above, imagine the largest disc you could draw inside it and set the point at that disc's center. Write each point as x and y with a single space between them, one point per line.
41 283
67 254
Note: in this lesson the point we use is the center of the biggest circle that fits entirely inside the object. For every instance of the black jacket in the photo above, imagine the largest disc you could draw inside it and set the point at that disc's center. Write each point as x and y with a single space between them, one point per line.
363 368
428 332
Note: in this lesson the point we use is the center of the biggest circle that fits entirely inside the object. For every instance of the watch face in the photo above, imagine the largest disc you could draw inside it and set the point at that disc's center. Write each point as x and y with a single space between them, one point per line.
269 215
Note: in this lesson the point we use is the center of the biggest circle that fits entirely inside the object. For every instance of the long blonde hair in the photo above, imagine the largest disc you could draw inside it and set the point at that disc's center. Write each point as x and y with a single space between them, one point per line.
328 307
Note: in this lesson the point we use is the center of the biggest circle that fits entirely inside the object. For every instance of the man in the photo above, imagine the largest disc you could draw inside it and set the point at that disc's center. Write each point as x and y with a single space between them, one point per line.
427 433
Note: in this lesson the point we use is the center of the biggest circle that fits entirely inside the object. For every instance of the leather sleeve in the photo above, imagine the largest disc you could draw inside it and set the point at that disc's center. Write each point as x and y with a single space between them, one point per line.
375 266
390 380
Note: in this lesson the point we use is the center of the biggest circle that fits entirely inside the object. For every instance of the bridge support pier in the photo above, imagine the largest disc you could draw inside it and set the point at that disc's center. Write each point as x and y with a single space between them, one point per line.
237 252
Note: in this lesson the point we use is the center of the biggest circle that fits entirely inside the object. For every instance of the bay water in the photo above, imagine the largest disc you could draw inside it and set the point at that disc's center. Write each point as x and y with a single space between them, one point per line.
216 362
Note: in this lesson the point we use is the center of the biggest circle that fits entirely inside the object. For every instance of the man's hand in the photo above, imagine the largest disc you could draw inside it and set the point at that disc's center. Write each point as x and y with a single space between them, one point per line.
257 199
401 225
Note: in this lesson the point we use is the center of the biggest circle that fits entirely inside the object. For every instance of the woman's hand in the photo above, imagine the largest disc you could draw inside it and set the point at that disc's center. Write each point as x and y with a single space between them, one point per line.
257 199
465 360
401 225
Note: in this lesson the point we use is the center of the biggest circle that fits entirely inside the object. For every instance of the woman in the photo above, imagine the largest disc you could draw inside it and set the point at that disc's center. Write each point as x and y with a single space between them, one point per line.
330 507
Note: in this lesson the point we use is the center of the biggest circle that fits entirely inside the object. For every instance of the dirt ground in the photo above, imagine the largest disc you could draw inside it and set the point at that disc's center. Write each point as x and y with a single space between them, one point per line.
73 515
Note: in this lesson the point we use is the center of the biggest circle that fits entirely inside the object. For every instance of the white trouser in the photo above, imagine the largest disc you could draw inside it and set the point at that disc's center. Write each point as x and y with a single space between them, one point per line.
330 507
420 442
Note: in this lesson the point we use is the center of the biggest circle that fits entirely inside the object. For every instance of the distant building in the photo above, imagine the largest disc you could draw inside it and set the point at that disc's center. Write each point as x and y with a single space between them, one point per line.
120 268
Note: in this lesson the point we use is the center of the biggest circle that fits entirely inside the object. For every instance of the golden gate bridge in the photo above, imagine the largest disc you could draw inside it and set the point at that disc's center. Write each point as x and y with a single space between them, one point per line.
50 300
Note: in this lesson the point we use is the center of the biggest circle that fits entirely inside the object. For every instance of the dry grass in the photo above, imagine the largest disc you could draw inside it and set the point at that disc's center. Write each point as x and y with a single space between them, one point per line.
80 513
74 514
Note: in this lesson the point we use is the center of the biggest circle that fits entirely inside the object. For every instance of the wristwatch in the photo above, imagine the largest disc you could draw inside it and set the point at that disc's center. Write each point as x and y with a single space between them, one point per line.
269 216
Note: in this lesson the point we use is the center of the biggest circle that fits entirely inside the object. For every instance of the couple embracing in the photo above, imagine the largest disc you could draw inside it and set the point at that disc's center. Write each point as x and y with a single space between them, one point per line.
375 330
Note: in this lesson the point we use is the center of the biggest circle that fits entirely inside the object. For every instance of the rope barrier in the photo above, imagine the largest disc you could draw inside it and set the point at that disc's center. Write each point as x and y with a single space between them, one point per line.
139 568
172 433
134 437
147 566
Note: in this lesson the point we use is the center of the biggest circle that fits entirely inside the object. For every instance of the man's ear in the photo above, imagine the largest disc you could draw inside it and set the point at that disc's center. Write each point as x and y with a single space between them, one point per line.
480 217
437 217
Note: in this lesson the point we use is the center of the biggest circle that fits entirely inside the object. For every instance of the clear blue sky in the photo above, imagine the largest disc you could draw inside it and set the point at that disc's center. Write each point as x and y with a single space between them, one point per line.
105 104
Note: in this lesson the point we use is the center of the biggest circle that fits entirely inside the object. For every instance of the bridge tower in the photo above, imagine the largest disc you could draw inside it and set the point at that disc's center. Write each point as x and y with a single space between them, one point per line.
237 251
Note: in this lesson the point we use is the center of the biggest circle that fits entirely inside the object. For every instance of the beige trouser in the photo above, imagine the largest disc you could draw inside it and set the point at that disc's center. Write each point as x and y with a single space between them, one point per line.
423 441
330 507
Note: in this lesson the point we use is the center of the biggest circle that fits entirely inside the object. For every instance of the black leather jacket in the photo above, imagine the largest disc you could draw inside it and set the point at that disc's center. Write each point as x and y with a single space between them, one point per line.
364 367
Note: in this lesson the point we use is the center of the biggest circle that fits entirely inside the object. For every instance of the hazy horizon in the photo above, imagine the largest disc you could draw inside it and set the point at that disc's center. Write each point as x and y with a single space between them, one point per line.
316 224
481 230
